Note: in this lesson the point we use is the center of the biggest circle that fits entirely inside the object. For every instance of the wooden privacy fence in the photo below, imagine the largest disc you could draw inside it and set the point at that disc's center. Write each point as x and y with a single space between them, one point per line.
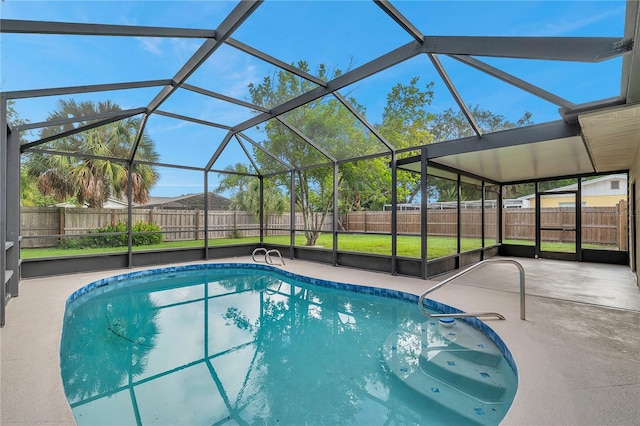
43 226
600 225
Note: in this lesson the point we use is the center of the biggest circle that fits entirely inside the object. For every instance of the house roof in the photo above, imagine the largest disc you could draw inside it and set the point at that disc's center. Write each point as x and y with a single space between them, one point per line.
586 183
189 202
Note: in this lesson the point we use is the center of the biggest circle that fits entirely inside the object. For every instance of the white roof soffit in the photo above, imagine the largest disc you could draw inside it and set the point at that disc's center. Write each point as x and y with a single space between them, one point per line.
612 136
551 158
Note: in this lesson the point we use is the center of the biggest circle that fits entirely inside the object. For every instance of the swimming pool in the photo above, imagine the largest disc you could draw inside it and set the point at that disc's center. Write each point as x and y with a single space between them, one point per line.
248 343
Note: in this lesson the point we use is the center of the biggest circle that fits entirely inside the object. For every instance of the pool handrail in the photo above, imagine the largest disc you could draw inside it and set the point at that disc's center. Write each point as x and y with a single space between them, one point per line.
267 256
477 314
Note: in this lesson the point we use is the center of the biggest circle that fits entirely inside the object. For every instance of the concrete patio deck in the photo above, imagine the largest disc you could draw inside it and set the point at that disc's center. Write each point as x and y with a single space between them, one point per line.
578 352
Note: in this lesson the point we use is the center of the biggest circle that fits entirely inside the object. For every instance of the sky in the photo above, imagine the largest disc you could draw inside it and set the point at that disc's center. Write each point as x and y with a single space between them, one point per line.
342 35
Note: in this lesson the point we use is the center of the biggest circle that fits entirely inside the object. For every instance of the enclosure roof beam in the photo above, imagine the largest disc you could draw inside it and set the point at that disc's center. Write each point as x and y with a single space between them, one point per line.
173 166
223 97
125 114
237 16
71 28
274 61
572 49
77 155
400 19
261 148
630 87
514 81
139 135
383 62
219 150
246 152
59 91
364 121
305 138
193 120
505 138
75 119
454 92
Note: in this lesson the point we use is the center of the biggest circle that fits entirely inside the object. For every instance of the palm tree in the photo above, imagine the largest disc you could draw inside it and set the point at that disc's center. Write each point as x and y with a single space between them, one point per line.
246 193
92 180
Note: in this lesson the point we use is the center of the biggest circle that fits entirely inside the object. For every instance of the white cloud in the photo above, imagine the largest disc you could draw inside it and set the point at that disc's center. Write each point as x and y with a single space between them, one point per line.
151 44
568 26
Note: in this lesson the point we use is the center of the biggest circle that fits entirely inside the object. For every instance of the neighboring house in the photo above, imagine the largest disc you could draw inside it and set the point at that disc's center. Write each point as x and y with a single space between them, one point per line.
112 203
187 202
183 202
604 191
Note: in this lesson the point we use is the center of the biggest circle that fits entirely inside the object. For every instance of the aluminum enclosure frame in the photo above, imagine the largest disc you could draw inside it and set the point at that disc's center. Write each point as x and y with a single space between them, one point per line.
463 49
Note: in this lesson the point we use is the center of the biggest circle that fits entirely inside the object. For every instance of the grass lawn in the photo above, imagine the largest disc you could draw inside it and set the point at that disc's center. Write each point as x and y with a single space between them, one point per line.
407 246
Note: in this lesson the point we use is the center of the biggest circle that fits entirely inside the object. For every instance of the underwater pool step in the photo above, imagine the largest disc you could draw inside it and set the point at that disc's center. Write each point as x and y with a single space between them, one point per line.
444 372
454 367
402 353
472 345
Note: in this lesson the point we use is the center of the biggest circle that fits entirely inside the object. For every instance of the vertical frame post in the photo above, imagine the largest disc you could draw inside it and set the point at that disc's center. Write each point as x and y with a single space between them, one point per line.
424 205
579 221
482 218
459 220
292 235
129 216
261 214
335 213
3 206
394 213
206 215
12 207
538 224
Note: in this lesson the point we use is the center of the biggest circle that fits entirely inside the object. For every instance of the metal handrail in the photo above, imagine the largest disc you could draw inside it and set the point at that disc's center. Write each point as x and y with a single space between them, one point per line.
259 249
267 256
479 314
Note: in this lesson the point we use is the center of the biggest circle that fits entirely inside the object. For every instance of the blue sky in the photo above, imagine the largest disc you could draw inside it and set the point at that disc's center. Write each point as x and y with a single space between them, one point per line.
343 35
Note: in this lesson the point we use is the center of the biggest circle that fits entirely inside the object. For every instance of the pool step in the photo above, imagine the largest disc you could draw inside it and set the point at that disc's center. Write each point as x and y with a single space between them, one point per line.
445 368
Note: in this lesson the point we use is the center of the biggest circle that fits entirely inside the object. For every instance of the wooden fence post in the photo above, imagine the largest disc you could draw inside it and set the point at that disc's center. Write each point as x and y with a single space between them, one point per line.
622 225
61 220
197 213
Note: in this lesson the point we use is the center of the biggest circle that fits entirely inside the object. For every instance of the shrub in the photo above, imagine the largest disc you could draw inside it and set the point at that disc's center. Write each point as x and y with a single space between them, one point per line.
143 234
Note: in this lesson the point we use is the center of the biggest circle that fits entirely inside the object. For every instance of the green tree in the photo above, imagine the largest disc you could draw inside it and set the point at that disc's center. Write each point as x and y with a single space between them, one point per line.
406 123
452 124
93 180
29 193
326 123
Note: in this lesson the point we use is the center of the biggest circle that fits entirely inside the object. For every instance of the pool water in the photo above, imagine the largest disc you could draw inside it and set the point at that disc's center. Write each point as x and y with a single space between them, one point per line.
246 344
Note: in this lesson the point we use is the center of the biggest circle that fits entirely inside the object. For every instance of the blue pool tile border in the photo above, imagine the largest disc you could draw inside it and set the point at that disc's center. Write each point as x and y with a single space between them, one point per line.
123 280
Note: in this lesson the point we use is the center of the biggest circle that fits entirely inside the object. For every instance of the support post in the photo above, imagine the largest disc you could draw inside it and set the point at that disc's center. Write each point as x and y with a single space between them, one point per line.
129 216
261 215
292 220
394 213
13 210
3 206
335 214
206 214
482 220
424 200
